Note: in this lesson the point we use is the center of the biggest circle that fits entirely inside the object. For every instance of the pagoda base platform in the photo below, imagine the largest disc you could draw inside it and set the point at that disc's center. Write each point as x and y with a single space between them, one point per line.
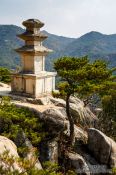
32 85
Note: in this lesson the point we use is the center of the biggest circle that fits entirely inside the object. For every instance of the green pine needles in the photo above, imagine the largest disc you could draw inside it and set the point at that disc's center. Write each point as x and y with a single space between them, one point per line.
14 120
85 78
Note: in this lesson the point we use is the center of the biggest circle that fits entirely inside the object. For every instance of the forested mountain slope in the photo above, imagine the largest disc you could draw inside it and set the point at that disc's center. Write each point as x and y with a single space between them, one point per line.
93 44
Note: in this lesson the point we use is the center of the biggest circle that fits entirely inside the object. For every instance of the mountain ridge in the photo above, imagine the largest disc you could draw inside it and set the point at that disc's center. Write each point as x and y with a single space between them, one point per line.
94 44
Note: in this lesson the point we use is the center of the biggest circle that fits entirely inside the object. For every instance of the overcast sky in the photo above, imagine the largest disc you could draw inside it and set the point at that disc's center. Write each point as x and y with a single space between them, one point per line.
71 18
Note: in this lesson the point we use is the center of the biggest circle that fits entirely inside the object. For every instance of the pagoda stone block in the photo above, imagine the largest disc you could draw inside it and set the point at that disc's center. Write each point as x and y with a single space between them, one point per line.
33 80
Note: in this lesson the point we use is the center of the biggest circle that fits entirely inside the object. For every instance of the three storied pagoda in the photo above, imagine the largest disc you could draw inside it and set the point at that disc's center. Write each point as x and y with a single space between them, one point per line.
33 80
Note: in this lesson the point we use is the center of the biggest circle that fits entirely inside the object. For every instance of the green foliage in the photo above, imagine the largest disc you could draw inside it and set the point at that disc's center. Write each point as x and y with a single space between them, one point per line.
82 77
15 120
24 167
51 168
11 165
108 116
55 94
109 104
5 75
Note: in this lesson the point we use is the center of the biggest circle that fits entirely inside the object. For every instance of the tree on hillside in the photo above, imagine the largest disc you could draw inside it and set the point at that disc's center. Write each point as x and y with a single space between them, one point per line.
5 75
107 117
80 76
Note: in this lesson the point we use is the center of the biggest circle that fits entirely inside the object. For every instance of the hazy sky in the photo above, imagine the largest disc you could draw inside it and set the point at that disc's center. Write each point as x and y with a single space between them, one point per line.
63 17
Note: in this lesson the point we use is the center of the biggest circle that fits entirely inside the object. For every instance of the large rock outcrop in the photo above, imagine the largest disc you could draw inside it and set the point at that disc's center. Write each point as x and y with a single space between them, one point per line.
102 147
78 163
102 150
54 120
49 151
7 145
22 140
81 113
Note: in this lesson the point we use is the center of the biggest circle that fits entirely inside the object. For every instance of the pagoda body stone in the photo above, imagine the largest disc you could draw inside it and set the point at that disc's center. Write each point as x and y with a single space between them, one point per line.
33 80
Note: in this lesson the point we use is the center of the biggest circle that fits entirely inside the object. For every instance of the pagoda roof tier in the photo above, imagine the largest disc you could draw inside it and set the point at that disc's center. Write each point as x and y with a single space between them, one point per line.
32 36
33 49
33 23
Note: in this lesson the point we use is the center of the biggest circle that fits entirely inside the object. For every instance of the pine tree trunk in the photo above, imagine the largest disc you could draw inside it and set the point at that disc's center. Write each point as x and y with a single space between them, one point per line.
70 118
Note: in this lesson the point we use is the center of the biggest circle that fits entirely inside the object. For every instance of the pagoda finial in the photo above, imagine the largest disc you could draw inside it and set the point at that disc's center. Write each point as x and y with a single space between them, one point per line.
33 23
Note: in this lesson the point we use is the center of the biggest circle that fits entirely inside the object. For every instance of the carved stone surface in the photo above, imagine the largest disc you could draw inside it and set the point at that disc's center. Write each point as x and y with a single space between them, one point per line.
33 81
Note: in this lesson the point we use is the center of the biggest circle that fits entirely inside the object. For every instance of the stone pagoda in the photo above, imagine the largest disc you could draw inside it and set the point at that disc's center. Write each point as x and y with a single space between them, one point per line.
33 81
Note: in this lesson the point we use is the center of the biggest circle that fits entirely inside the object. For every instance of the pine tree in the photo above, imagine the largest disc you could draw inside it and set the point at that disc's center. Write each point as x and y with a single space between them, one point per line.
80 76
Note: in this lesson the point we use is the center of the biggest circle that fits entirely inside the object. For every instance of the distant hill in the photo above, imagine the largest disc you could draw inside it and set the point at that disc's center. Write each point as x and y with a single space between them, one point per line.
93 44
8 42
